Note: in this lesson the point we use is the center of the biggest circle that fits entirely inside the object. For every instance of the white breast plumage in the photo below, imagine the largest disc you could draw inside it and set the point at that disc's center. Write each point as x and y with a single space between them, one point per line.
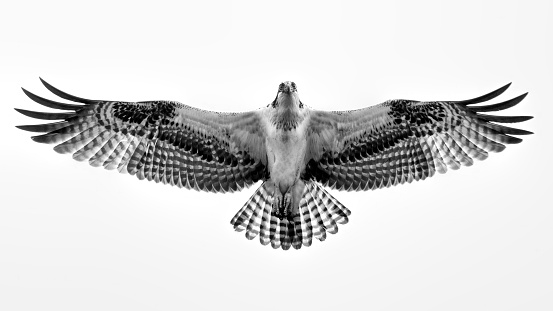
286 153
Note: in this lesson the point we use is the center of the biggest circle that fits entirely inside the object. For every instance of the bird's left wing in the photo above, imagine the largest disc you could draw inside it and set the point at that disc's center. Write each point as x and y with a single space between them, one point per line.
164 141
404 140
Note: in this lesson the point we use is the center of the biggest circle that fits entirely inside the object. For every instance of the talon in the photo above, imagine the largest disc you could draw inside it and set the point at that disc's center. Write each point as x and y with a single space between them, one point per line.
275 210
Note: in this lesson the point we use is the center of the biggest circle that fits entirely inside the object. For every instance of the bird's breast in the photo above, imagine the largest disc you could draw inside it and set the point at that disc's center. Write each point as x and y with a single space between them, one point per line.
286 154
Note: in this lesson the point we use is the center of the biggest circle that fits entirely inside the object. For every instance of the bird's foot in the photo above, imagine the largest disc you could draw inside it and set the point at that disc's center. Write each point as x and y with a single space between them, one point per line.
282 206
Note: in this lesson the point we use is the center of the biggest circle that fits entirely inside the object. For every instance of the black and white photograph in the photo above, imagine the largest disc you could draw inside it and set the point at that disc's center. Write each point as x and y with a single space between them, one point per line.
270 155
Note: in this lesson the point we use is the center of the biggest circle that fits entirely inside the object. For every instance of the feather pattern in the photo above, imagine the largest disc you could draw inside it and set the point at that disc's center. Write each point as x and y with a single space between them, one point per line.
318 214
400 141
293 149
163 141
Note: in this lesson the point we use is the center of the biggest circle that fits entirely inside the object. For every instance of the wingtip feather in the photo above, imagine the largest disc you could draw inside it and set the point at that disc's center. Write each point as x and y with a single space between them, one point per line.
65 95
500 106
50 103
44 115
504 119
485 97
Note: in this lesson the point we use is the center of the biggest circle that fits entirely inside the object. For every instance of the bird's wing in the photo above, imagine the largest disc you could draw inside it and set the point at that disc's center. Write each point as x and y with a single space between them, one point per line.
164 141
404 140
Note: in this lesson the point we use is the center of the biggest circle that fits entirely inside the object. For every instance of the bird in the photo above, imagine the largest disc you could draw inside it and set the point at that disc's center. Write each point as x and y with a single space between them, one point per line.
295 151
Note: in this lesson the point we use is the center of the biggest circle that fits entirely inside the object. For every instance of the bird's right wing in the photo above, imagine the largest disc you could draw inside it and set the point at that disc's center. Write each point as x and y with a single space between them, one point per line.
164 141
400 141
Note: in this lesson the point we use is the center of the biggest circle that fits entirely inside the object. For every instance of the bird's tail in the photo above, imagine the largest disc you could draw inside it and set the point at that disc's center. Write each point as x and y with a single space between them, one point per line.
318 214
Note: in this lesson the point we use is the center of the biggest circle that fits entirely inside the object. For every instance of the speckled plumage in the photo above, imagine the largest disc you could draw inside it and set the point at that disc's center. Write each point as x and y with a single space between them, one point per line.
293 149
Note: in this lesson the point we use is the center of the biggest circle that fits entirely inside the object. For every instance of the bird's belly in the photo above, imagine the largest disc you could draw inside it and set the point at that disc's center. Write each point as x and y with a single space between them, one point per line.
286 151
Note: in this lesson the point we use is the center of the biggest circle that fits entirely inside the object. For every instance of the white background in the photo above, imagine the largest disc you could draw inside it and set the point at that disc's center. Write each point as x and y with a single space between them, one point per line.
73 237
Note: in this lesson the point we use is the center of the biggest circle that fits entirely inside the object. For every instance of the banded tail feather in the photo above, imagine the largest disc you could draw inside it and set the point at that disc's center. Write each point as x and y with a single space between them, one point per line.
318 213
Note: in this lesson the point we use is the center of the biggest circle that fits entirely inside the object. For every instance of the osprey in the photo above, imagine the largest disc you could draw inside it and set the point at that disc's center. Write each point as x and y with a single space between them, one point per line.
292 149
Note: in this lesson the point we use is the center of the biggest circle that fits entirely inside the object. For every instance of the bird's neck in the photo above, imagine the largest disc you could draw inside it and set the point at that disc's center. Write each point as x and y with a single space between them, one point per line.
288 100
287 113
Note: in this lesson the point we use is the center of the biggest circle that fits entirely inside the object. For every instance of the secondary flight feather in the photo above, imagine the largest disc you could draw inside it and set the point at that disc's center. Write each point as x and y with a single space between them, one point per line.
293 149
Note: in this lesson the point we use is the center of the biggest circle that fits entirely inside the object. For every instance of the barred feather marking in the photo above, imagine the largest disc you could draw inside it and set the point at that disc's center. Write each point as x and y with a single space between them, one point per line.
328 222
439 162
78 141
62 134
134 155
157 162
104 152
428 158
113 160
252 229
246 217
297 236
320 230
431 136
446 153
318 212
481 140
473 150
457 151
125 165
274 232
92 147
285 240
307 228
150 135
338 211
264 235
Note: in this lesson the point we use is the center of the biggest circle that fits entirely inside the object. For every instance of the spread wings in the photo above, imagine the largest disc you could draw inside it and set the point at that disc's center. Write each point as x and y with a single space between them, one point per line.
400 141
164 141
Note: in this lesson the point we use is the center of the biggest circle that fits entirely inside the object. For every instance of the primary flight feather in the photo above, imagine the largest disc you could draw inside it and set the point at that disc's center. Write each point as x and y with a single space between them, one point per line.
293 149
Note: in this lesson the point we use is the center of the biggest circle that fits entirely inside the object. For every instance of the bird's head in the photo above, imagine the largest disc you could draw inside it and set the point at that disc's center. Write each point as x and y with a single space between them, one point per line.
287 96
287 87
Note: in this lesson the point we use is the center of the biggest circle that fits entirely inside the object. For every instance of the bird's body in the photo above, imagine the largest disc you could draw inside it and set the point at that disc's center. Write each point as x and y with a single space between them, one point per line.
286 143
292 149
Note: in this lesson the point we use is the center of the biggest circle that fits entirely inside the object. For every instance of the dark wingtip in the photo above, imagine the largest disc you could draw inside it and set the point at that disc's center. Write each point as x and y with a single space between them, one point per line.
50 103
22 111
486 97
499 106
65 95
42 128
514 140
507 130
44 115
504 119
38 139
